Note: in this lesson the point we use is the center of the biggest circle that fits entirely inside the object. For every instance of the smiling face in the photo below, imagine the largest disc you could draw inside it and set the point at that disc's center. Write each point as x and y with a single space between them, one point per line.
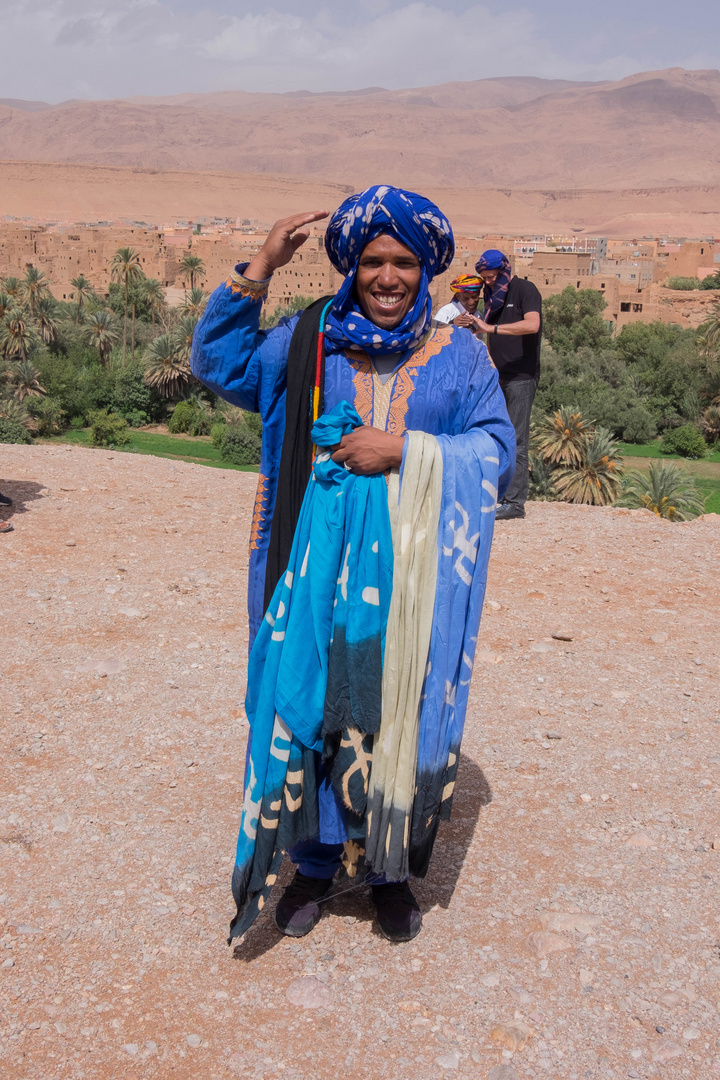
387 281
469 301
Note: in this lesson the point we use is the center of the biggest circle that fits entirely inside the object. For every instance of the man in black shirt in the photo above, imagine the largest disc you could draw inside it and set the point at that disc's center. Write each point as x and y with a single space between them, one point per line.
512 320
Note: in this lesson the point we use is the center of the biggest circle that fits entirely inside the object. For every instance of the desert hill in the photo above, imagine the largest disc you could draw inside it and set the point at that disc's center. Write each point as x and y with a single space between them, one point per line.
86 193
651 130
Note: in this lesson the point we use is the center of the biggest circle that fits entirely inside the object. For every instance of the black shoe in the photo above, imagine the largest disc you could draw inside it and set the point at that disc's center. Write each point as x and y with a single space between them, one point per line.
298 910
4 500
506 511
397 911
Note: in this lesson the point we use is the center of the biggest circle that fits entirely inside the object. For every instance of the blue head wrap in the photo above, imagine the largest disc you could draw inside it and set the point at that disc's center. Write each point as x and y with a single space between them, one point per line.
415 222
494 295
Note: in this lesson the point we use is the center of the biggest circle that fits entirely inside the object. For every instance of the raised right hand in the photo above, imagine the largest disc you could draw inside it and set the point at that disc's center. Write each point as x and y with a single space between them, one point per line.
283 241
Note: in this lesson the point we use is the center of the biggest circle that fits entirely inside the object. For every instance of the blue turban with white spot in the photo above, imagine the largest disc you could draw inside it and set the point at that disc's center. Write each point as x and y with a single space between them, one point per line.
415 222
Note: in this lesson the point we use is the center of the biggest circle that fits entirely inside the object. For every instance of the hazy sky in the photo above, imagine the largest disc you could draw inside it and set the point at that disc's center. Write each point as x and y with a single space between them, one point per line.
57 49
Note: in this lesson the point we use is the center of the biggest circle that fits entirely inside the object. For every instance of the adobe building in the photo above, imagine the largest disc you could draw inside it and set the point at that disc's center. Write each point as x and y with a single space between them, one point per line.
626 273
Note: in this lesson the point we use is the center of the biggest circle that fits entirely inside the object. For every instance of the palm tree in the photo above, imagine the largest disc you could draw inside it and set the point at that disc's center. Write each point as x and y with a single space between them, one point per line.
560 437
193 266
125 268
708 336
155 296
542 480
46 319
102 333
17 337
164 367
34 287
83 289
26 378
184 336
11 286
665 489
710 423
597 477
7 303
194 303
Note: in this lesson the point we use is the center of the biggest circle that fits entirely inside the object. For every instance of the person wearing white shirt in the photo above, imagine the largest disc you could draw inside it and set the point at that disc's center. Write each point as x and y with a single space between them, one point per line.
467 289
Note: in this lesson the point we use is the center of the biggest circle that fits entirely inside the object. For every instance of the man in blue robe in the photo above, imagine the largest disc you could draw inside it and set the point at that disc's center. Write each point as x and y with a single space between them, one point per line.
404 379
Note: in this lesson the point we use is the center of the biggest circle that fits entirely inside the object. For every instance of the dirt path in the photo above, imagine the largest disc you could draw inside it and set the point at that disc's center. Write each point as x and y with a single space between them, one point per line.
578 911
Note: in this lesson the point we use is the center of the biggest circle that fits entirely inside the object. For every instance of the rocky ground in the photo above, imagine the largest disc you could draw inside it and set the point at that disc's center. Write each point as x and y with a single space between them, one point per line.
571 925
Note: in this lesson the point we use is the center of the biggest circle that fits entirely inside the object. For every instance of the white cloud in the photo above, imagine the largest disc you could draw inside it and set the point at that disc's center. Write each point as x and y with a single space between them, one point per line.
55 49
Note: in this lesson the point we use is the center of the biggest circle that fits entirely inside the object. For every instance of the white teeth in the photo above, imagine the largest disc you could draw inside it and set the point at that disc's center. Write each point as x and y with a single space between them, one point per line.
388 301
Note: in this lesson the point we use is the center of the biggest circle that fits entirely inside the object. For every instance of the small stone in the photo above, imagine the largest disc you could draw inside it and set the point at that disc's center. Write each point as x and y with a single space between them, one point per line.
502 1072
8 963
578 921
659 639
640 840
670 1000
23 928
586 977
553 735
521 996
562 635
691 1033
448 1061
542 944
666 1051
194 1040
586 798
513 1035
309 993
151 1048
70 543
130 612
491 979
541 647
131 1049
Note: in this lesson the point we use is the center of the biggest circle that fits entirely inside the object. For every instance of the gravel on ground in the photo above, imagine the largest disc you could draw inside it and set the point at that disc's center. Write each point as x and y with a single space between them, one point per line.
571 924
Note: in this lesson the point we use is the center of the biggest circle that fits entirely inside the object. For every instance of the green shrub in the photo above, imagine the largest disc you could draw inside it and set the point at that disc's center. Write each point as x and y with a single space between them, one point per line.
108 429
638 426
132 396
77 423
686 441
683 283
217 433
253 422
188 418
49 415
135 417
240 446
13 432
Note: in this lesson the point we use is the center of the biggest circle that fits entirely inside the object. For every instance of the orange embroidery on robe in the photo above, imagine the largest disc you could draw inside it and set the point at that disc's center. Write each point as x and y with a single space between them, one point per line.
258 512
254 290
404 380
363 382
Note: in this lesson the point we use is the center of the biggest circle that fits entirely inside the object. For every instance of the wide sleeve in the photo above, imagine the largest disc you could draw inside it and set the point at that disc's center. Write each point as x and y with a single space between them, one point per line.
232 356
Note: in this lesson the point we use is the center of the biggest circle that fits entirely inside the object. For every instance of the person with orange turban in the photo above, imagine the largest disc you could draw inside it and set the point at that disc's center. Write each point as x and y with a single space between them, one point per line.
467 289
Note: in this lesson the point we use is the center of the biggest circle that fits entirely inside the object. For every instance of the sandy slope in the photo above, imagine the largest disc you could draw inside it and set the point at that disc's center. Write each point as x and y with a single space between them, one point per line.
72 193
121 754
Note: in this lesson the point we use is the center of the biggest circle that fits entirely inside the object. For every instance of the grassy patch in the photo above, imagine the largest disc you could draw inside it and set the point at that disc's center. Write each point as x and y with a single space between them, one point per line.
178 447
652 450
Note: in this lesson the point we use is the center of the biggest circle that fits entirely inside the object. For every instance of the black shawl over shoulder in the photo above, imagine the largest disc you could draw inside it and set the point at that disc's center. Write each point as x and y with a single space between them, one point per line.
296 455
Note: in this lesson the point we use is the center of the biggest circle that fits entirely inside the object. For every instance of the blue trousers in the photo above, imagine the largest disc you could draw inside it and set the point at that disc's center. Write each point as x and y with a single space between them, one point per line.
323 861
